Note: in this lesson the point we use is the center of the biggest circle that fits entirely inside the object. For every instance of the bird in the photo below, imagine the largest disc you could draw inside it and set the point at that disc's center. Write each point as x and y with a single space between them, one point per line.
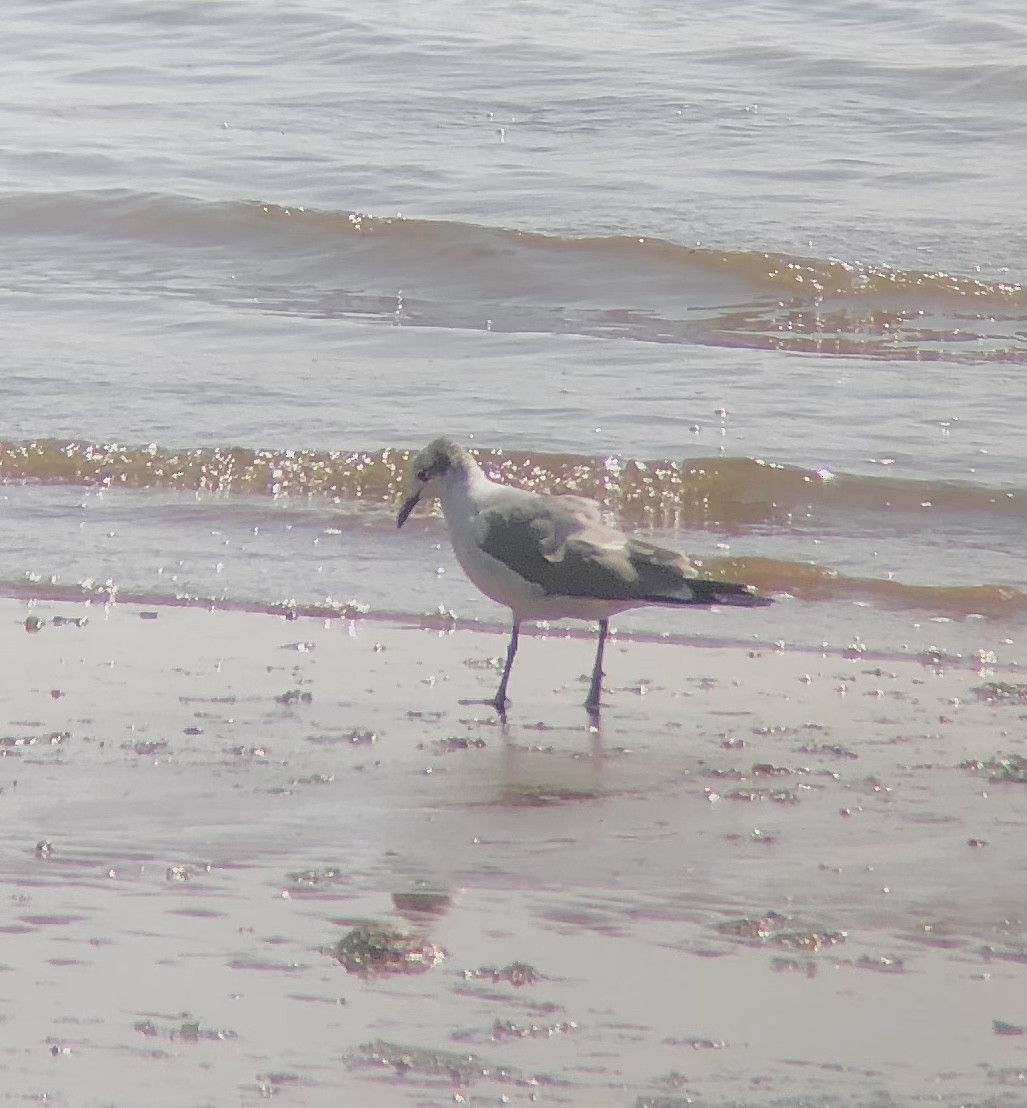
552 556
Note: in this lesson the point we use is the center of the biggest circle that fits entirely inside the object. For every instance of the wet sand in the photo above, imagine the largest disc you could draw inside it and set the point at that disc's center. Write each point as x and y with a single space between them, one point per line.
766 878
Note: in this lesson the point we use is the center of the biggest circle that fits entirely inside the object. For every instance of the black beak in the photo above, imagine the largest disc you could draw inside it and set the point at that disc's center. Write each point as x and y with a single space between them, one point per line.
408 506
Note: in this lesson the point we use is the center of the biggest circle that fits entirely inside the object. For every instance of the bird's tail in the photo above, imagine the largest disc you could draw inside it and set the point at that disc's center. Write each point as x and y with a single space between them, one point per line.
701 592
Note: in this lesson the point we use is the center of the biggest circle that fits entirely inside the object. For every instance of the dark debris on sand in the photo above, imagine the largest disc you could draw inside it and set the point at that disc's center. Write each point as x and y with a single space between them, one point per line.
373 949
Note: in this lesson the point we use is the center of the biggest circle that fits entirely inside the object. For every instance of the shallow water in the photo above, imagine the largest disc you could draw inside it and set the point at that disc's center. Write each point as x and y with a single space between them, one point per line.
924 563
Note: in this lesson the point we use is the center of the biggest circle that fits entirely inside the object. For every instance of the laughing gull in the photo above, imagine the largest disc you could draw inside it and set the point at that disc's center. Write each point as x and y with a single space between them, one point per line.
552 557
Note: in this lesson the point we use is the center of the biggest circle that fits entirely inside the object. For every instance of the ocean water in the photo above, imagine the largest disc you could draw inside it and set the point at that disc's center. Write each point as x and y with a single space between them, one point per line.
751 274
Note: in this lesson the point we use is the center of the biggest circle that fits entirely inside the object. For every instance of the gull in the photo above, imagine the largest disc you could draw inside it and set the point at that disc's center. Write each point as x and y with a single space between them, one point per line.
552 556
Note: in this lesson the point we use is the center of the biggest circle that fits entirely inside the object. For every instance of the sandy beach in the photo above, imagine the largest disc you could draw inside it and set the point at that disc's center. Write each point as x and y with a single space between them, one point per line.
766 876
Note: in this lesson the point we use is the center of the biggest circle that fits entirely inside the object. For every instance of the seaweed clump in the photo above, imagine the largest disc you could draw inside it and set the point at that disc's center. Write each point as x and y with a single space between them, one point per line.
1002 767
373 950
779 930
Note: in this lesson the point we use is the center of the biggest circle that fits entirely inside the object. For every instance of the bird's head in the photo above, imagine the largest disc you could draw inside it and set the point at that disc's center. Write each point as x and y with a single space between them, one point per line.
428 471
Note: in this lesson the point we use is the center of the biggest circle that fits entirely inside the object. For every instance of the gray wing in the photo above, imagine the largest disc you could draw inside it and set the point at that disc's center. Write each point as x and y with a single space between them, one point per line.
561 544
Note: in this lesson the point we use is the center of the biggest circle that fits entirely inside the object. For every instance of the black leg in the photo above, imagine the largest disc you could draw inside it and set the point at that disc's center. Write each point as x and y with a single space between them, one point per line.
594 690
511 651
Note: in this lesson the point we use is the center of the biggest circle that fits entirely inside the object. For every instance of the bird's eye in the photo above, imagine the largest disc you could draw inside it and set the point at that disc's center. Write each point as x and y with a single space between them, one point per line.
422 475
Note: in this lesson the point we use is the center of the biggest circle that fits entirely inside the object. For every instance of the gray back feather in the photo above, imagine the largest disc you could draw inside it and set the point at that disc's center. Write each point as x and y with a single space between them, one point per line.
561 544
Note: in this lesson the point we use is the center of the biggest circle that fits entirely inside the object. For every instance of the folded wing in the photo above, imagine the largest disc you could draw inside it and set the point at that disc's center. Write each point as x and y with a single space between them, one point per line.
562 545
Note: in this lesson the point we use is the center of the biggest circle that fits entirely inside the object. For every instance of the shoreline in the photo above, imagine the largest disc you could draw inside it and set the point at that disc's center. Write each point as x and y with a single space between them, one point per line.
445 621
